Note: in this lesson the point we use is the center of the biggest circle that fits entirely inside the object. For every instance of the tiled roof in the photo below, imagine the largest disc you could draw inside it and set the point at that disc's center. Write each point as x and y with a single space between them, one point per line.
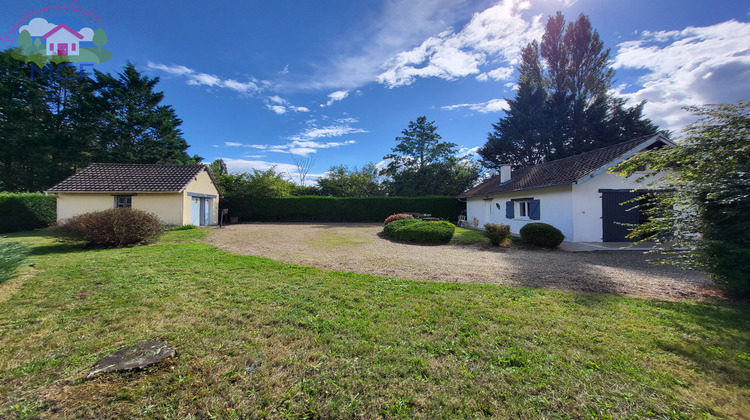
129 177
558 172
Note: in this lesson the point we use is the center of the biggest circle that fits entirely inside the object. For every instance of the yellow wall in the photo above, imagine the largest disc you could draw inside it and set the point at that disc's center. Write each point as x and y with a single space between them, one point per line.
167 206
73 204
201 185
171 208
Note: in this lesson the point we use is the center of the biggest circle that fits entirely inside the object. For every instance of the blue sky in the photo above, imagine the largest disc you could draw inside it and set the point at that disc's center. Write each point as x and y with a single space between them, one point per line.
258 83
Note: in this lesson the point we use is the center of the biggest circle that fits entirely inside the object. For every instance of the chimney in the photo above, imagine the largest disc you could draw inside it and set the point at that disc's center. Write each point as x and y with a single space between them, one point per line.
505 174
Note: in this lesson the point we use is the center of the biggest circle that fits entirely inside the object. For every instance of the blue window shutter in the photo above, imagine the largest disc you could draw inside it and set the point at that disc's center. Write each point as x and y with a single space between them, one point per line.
509 209
534 210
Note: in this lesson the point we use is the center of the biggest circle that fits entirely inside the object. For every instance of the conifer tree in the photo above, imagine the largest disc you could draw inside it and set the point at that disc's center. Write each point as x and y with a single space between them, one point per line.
563 107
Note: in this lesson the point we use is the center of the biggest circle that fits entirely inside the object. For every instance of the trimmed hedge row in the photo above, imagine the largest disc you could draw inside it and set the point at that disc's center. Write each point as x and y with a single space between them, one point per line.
337 209
26 211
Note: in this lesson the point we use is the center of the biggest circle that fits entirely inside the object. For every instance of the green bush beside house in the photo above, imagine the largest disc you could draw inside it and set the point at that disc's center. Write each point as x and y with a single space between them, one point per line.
26 211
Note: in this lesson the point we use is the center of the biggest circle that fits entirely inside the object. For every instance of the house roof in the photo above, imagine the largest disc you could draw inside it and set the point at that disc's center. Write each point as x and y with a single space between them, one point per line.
564 171
130 177
62 26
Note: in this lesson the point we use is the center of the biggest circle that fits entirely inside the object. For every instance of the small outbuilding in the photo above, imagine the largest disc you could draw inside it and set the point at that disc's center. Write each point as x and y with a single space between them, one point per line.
576 194
177 194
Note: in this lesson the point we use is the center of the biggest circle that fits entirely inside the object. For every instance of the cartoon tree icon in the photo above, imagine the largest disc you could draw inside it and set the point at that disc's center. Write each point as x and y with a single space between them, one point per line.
25 42
100 38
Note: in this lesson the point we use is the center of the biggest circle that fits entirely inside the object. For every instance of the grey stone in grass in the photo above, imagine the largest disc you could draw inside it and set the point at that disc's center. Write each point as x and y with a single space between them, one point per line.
143 354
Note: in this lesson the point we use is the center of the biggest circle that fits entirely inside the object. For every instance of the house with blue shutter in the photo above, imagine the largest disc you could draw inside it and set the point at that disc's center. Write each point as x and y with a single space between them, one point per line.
576 194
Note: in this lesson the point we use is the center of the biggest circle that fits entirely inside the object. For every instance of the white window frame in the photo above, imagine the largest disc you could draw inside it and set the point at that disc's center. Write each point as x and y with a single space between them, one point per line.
523 210
123 201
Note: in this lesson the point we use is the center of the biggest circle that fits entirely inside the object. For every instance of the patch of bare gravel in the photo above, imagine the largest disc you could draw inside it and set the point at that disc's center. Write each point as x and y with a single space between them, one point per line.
356 247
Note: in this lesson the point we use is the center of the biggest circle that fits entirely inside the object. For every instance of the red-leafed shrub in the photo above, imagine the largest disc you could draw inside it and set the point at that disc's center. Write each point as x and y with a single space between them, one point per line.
394 217
112 228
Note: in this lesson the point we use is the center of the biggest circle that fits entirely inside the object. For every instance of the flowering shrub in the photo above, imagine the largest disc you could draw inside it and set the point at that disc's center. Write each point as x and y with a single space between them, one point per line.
400 216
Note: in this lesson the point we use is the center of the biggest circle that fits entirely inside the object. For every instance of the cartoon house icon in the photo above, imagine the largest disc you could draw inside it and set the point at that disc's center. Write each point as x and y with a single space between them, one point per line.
62 40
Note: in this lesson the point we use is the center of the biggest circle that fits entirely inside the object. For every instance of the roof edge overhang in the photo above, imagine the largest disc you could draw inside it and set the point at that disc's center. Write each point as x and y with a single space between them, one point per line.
514 191
658 137
112 192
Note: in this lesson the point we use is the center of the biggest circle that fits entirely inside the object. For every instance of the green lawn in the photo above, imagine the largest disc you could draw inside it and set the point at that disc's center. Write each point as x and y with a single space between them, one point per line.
258 338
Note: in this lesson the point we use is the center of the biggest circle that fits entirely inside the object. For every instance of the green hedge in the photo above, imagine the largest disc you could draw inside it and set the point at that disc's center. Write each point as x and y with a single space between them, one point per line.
26 211
420 231
338 209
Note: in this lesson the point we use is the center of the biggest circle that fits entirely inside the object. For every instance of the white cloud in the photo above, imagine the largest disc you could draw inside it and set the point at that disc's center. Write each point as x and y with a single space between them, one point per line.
244 165
281 106
694 66
339 95
39 27
502 73
278 109
324 132
494 105
232 144
285 70
175 69
496 34
398 25
88 34
301 148
195 78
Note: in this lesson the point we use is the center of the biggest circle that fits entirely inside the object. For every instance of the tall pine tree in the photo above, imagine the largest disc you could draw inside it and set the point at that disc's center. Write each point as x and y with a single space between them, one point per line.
562 105
52 126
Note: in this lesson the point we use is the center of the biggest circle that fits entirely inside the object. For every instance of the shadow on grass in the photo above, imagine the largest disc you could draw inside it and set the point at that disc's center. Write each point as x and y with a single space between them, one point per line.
714 337
44 242
57 248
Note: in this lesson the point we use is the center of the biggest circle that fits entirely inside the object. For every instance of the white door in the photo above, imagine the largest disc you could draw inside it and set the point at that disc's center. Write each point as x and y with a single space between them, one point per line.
487 212
206 215
195 211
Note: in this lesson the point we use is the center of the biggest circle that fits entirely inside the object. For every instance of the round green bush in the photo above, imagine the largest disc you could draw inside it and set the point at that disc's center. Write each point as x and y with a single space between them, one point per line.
112 228
541 235
420 231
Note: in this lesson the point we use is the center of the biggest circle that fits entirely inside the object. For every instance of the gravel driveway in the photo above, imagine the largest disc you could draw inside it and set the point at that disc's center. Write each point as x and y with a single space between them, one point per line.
357 247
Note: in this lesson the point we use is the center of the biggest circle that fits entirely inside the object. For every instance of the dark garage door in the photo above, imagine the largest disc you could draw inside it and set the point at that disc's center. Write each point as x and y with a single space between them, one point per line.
616 216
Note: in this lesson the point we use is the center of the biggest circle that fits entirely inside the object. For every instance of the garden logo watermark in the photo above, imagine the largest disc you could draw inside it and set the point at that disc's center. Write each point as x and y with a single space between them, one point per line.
51 46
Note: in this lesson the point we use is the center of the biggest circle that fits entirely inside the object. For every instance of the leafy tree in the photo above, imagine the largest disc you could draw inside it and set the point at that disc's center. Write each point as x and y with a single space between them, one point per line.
341 181
419 146
423 165
100 38
562 105
218 168
257 183
25 42
706 208
450 177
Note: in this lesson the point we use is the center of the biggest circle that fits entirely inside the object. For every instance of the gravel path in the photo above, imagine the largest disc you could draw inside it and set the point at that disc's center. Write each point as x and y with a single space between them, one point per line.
357 247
